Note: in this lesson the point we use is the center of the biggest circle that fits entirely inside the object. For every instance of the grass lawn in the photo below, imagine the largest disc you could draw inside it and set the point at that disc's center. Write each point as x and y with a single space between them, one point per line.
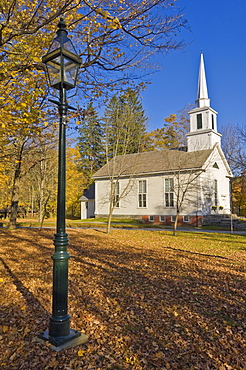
90 222
147 300
100 222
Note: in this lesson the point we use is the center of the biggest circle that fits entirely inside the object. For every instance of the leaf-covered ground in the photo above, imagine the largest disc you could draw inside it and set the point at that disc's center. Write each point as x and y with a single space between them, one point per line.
147 300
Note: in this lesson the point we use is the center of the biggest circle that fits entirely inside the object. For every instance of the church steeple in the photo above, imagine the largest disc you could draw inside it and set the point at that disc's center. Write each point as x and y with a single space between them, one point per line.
202 91
203 119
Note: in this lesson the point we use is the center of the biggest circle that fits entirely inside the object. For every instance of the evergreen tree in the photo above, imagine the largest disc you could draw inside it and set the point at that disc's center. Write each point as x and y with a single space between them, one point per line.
90 143
125 124
125 132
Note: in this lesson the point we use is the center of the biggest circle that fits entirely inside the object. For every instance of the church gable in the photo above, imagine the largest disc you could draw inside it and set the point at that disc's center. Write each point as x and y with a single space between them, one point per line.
218 162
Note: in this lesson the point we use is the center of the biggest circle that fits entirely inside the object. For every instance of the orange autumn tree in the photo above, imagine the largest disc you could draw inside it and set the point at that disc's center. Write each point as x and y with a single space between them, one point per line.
172 134
239 195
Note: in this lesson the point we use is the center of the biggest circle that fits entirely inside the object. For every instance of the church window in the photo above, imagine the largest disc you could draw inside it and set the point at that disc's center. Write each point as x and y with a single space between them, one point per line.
215 165
142 193
212 122
169 192
199 121
215 192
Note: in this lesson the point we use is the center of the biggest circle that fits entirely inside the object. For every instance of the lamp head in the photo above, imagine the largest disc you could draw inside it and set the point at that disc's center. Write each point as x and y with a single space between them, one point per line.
62 61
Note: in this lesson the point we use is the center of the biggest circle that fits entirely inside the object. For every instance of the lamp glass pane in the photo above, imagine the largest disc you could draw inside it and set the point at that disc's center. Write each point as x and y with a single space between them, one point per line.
54 71
70 71
55 44
67 44
64 43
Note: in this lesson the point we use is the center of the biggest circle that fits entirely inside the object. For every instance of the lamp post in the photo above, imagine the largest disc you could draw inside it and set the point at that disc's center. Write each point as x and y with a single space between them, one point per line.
62 65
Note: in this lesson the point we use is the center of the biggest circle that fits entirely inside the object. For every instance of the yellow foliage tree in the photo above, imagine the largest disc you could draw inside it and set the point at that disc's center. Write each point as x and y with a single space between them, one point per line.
76 183
172 134
111 36
239 195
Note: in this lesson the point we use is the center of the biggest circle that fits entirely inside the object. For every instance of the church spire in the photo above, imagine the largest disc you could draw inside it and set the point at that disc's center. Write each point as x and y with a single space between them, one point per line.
202 92
203 132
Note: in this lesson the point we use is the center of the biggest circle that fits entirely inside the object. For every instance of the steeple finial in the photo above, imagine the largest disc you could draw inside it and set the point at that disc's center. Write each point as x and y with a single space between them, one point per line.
202 92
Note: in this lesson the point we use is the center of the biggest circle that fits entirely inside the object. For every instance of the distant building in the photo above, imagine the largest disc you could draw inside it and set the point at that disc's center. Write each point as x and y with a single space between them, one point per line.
153 182
88 203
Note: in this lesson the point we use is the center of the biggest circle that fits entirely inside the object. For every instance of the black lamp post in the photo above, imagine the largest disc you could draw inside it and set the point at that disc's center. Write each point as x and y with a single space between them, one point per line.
62 64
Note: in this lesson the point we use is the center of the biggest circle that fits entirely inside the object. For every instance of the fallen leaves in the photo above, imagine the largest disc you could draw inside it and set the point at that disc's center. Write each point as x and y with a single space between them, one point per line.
5 329
145 299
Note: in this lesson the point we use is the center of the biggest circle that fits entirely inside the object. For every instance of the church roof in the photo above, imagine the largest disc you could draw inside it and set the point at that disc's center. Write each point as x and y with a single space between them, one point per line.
154 162
89 193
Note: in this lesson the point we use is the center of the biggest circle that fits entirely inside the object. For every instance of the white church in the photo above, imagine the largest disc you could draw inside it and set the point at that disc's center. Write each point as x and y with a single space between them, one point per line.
154 186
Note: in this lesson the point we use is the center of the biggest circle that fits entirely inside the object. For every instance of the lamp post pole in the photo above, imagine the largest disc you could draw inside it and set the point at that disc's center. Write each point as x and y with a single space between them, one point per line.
60 321
62 77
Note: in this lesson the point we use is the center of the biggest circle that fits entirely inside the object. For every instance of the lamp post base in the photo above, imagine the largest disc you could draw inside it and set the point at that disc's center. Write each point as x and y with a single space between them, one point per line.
74 338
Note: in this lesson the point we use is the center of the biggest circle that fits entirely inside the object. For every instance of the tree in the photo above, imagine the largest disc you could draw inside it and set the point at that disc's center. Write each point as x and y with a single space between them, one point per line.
172 134
233 143
19 146
125 122
22 119
5 183
125 131
75 181
90 143
43 179
36 185
112 37
181 185
115 169
117 36
190 175
185 185
239 195
25 128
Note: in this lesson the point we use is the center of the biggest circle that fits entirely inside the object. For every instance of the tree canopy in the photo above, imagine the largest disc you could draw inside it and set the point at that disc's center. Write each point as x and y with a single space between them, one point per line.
90 142
114 39
111 36
172 134
125 122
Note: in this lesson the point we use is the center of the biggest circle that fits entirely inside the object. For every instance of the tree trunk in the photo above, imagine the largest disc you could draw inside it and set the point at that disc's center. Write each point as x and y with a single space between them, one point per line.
176 223
15 199
32 201
41 202
16 189
44 211
109 222
111 209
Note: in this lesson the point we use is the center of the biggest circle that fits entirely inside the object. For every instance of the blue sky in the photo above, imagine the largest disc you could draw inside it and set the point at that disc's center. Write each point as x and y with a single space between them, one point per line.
218 28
